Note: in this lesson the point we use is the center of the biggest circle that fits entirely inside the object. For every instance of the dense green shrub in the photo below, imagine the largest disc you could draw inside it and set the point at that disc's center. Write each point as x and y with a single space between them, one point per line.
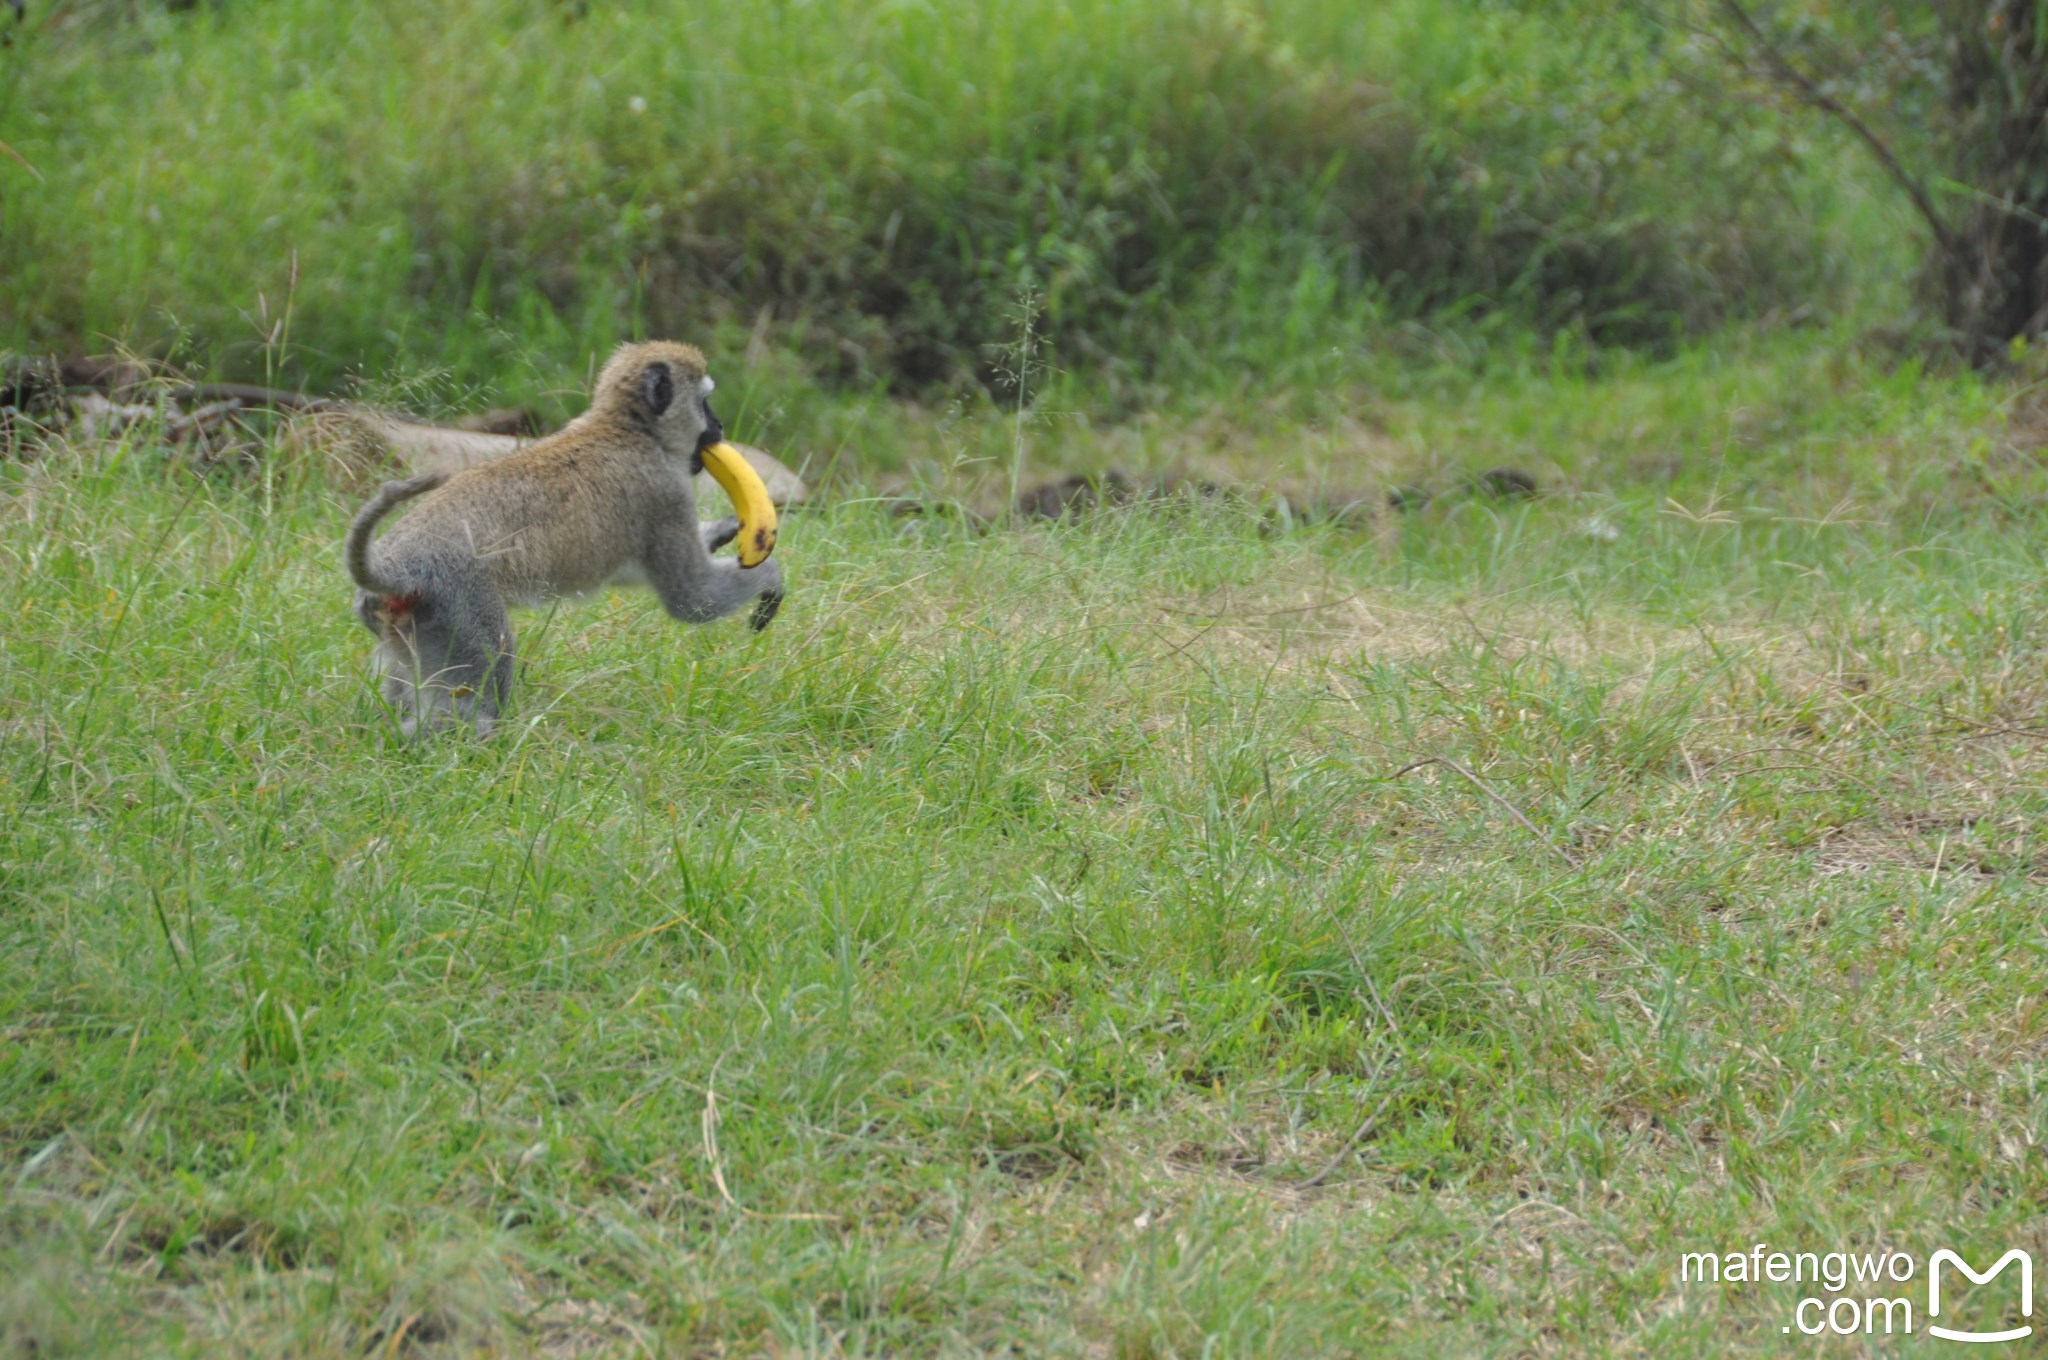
1167 187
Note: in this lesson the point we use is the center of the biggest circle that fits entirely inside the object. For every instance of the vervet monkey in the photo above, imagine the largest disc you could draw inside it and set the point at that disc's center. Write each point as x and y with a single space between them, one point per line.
605 501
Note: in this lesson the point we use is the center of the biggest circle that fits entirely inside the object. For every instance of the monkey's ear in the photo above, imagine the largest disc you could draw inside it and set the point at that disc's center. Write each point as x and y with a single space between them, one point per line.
658 386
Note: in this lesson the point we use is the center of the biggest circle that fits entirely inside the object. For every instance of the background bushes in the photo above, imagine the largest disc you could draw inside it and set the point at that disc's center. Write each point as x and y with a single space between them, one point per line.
1169 190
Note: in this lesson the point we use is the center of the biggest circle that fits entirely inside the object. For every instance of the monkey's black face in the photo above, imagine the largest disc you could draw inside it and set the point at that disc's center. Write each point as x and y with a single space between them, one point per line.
714 431
666 413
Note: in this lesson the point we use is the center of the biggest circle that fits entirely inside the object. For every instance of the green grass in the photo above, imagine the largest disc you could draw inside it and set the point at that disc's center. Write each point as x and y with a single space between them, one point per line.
1032 940
496 190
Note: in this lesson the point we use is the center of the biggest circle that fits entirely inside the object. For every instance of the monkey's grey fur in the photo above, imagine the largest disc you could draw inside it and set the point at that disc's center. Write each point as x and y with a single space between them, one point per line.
607 500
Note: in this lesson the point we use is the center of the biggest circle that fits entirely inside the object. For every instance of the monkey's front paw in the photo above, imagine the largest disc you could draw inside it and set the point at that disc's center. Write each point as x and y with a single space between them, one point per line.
717 535
764 610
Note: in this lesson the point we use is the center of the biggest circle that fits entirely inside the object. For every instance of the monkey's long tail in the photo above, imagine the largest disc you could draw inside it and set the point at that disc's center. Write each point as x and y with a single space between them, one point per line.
365 524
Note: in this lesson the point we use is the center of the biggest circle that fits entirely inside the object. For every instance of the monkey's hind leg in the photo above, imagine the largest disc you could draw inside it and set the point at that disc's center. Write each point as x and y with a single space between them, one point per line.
482 707
476 662
421 706
448 661
395 662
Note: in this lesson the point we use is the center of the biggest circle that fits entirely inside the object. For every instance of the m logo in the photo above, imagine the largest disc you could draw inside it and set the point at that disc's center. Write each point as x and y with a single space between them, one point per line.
1934 1293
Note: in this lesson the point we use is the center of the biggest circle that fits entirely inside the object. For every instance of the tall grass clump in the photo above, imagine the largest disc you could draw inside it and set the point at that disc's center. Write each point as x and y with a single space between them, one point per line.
1183 185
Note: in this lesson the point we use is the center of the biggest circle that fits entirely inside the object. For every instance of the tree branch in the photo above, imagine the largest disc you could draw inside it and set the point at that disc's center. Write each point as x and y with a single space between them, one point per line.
1782 67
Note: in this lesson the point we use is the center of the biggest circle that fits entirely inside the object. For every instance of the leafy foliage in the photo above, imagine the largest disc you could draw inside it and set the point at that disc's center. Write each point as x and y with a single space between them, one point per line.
1183 187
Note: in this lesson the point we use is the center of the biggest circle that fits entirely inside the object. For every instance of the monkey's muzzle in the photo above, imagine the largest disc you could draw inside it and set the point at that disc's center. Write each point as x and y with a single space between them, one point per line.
750 504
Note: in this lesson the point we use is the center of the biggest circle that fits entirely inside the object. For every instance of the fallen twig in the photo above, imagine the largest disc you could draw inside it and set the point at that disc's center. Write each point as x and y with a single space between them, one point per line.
1505 805
1358 1136
709 1125
1981 729
12 154
249 394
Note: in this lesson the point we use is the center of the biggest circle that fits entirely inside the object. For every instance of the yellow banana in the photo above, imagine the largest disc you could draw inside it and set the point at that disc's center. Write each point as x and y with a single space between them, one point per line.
731 470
